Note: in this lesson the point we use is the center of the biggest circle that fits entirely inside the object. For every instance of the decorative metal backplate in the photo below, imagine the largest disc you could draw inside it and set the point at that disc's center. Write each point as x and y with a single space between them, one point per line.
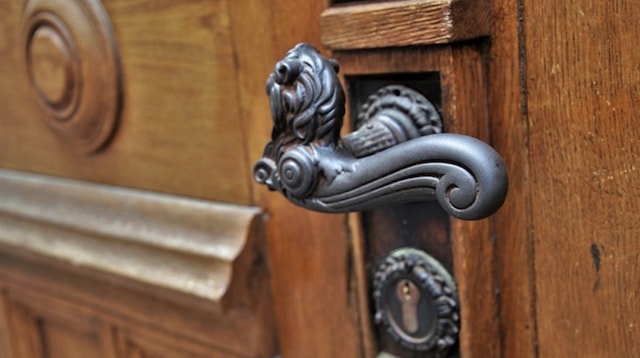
416 301
392 115
393 158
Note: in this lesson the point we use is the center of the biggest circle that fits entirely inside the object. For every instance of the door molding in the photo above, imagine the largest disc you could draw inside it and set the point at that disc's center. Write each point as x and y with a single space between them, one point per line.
195 247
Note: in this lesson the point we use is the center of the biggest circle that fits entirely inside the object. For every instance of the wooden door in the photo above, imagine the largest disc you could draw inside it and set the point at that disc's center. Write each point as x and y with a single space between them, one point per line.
130 224
564 88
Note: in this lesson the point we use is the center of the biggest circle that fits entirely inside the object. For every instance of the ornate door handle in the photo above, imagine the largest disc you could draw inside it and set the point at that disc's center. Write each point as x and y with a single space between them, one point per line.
396 155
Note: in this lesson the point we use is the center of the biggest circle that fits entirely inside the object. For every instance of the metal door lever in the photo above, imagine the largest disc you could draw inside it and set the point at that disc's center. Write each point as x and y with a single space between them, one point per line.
397 155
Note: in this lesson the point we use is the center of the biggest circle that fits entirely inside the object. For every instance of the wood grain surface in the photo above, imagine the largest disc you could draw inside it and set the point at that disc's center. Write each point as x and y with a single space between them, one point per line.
509 126
6 348
131 235
312 273
583 87
179 128
403 23
32 281
194 119
74 70
57 329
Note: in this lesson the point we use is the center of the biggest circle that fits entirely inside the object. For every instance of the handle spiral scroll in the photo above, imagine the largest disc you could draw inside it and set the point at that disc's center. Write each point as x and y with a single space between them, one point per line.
396 156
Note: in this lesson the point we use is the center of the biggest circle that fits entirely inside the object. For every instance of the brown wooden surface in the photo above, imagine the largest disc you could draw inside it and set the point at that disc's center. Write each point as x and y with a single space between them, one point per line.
403 23
513 240
140 342
179 95
6 348
472 241
311 271
23 329
172 253
464 111
241 331
583 86
73 68
130 234
57 329
194 75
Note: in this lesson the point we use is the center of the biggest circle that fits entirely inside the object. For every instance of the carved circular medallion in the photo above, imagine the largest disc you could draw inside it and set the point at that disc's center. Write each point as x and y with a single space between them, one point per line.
416 302
297 172
74 70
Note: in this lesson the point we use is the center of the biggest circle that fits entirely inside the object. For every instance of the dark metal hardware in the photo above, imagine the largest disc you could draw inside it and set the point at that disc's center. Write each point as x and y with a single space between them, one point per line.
416 301
392 115
395 156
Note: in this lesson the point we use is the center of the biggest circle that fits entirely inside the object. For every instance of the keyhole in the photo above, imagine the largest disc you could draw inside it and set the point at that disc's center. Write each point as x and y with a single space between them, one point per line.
409 296
406 289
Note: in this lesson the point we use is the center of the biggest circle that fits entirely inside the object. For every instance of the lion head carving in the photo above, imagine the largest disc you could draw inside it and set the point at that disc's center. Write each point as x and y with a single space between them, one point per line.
307 108
307 100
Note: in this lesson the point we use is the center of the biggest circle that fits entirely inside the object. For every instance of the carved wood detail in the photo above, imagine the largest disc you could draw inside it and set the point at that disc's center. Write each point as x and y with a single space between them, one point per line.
191 247
41 326
74 69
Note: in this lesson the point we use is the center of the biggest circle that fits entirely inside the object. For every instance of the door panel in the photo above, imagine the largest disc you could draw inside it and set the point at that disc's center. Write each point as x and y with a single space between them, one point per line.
584 145
178 90
55 328
188 116
41 295
508 126
563 93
